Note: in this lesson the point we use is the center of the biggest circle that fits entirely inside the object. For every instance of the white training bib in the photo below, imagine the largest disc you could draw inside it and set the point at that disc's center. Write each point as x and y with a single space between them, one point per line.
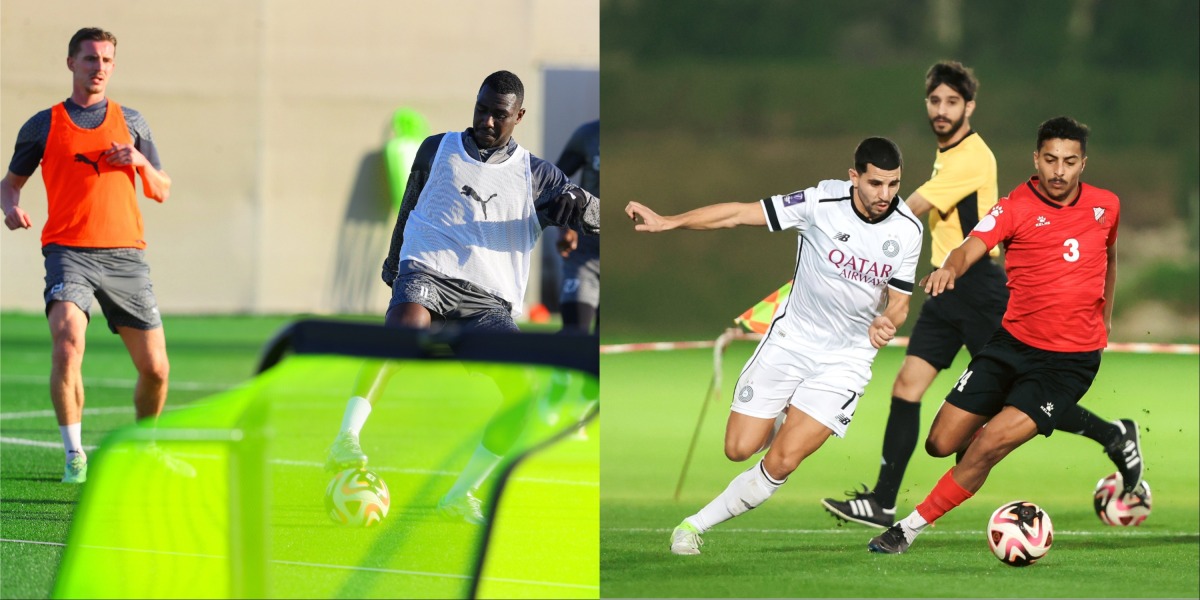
476 221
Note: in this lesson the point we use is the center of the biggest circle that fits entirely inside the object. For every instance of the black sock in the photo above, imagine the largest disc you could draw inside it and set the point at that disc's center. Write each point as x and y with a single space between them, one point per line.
1081 421
899 442
577 316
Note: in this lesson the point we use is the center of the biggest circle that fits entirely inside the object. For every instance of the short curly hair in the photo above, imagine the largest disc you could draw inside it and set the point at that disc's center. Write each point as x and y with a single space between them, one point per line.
505 82
1063 128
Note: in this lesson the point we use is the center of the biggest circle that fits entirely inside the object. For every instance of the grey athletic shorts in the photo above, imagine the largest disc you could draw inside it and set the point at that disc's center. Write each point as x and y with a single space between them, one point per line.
452 300
581 273
118 277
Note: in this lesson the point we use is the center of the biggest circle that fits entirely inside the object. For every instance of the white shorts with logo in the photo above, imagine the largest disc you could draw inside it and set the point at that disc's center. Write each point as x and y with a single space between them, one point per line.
826 388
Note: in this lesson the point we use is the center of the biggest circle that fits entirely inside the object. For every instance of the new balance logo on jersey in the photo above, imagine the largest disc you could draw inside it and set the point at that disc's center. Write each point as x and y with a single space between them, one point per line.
470 193
1048 408
842 237
1041 221
843 419
84 159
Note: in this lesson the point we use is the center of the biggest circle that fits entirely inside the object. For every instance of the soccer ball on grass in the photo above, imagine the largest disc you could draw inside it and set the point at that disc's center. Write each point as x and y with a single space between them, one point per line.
357 498
1019 533
1119 509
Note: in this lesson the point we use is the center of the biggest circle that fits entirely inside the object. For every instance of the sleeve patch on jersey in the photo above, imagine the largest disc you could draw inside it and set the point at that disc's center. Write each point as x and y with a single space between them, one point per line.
904 286
793 198
986 224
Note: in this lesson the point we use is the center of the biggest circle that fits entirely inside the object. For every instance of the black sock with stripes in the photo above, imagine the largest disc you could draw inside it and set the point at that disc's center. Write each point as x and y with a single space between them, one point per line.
899 442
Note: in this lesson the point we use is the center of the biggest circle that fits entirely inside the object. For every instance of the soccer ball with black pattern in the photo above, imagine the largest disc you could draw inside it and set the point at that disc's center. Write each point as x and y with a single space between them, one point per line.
357 498
1119 509
1020 533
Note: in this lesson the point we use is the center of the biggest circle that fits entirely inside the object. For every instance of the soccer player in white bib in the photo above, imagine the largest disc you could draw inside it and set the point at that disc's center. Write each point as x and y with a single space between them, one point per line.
475 204
858 251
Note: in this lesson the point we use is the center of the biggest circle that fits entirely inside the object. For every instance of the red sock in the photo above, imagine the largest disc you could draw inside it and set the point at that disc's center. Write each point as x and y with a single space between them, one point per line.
946 495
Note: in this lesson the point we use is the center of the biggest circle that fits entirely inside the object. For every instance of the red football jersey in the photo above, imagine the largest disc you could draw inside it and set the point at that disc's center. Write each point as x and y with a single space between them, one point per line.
1056 258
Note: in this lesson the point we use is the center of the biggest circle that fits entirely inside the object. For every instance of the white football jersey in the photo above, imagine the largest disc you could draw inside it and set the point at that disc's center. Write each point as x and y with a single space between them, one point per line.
844 267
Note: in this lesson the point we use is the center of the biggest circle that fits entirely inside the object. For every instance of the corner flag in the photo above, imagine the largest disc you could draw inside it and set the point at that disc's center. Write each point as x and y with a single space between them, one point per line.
758 318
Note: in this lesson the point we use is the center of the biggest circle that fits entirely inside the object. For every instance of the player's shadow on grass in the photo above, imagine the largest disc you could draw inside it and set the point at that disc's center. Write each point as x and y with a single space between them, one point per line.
1133 541
34 478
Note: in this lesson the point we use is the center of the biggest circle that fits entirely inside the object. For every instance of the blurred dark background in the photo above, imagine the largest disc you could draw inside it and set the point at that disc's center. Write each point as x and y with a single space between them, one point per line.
726 100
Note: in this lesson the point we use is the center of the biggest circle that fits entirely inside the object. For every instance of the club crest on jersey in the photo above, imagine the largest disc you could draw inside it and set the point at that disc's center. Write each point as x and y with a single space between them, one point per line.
793 198
1099 212
891 248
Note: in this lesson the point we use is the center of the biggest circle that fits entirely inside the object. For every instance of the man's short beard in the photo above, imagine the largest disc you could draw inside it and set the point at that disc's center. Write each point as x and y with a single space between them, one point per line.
955 127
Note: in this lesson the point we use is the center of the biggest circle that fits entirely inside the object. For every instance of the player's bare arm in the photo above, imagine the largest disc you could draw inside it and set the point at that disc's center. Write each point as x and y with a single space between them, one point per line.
957 262
1110 287
918 204
883 328
10 199
714 216
155 184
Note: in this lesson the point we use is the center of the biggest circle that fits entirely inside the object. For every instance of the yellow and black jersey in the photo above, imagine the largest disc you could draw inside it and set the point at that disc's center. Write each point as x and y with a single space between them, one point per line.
962 189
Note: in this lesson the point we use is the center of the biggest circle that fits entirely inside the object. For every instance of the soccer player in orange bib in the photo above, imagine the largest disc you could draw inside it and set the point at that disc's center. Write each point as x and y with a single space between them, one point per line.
92 150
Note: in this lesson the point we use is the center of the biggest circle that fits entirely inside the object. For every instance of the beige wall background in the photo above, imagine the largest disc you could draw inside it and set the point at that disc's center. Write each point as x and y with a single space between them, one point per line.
270 116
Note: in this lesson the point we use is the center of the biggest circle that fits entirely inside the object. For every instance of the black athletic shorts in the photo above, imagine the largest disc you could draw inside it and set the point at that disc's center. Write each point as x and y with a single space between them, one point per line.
1040 383
452 300
967 316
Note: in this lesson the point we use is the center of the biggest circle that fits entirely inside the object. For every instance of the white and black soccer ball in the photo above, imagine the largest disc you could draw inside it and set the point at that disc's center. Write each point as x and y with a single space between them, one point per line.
357 498
1119 509
1020 533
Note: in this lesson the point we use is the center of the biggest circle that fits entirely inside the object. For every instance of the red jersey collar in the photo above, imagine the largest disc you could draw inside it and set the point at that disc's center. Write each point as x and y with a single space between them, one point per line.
1033 187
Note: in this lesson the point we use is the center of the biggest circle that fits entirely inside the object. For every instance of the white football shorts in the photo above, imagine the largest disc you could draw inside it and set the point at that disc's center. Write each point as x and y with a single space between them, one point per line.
827 390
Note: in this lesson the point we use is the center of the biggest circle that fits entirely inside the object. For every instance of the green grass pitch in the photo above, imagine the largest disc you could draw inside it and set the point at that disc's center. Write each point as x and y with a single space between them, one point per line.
789 547
540 546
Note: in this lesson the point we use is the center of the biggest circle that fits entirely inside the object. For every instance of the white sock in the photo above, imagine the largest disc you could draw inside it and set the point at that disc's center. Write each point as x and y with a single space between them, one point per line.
357 411
748 490
72 438
478 468
913 525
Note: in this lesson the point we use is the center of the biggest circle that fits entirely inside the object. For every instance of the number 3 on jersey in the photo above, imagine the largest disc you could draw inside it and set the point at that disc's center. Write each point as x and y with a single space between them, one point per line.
1072 254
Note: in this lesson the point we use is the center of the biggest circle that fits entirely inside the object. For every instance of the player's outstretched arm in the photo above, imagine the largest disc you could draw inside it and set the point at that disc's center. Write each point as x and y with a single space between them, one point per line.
957 262
10 200
714 216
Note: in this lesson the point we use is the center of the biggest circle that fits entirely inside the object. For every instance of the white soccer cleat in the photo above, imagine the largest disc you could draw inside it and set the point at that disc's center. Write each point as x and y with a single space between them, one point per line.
685 540
465 507
75 470
345 453
172 464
